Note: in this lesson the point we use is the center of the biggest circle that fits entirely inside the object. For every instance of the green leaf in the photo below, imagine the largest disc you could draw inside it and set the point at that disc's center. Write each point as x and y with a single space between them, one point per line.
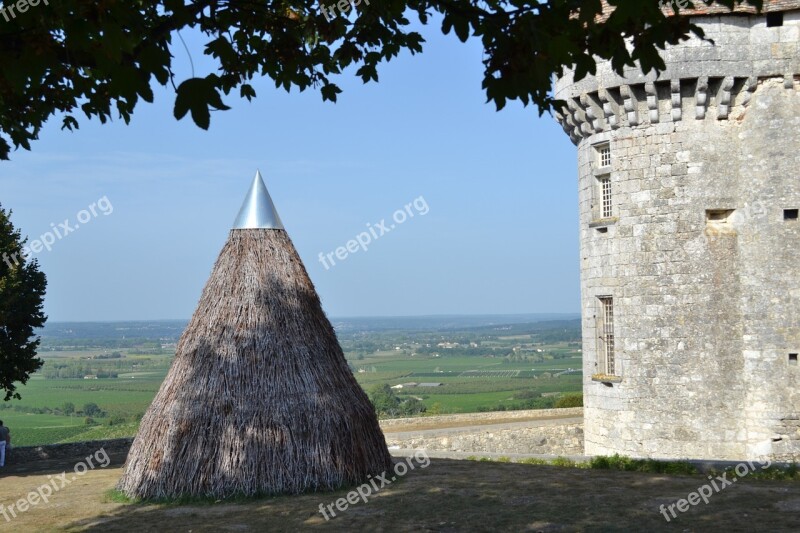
201 116
183 100
70 123
247 91
329 92
461 25
195 96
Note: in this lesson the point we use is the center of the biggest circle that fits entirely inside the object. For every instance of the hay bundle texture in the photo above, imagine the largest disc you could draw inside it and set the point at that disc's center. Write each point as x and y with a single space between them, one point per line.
259 398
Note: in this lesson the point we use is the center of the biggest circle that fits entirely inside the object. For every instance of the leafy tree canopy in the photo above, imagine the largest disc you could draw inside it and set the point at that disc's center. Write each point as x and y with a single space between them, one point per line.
386 402
92 409
98 58
22 289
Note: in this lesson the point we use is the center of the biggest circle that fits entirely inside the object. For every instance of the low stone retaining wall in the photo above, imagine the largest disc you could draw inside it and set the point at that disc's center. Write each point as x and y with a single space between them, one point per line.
561 439
533 432
69 451
467 418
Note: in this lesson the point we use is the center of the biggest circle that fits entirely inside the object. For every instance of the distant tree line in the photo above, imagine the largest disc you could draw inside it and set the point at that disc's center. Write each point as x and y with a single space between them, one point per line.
108 344
53 370
66 409
89 412
112 355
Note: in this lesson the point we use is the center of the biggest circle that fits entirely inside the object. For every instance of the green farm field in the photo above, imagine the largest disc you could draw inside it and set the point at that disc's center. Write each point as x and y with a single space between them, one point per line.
29 428
464 395
39 418
117 396
477 371
569 358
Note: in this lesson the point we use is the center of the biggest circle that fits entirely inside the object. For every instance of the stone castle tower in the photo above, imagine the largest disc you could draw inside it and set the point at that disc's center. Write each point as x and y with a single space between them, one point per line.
689 189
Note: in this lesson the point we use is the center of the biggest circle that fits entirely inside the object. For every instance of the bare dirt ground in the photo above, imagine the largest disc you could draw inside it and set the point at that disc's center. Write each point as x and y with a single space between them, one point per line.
447 496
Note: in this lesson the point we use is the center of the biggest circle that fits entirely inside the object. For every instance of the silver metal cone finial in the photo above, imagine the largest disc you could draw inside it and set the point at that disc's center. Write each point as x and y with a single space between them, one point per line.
258 211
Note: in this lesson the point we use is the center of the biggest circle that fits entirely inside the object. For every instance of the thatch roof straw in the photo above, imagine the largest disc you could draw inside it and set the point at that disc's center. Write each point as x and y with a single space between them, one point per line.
259 398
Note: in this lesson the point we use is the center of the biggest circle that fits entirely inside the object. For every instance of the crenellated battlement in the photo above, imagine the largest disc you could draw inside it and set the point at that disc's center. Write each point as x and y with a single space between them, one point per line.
643 104
710 79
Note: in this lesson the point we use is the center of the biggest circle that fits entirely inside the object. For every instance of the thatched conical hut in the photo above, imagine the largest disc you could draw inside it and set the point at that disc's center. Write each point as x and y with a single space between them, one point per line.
259 398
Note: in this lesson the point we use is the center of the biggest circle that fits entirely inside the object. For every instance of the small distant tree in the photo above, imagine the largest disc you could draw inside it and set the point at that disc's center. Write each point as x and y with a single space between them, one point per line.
412 406
570 400
68 408
384 400
436 409
92 409
22 288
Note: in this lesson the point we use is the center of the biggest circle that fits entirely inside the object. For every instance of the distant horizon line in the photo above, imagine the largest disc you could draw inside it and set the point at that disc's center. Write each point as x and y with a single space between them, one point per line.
351 317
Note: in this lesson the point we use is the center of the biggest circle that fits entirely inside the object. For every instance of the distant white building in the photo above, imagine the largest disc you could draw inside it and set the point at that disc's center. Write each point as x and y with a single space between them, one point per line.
447 345
404 385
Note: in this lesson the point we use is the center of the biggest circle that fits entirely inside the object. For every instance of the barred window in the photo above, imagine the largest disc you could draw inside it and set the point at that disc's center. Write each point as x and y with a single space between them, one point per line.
605 196
604 155
605 328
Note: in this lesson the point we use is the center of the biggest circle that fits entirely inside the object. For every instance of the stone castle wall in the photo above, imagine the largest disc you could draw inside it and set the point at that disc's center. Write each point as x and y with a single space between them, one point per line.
697 255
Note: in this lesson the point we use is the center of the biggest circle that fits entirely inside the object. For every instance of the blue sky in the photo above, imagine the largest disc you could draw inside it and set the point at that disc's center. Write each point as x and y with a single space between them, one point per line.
500 234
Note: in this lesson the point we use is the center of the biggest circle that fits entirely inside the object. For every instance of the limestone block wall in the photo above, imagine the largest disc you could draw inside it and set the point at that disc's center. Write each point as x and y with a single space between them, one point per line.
559 440
537 432
466 419
698 253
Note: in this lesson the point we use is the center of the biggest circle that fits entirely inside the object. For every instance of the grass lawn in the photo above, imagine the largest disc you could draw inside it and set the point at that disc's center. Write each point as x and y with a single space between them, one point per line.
33 429
465 403
28 429
113 395
119 397
448 496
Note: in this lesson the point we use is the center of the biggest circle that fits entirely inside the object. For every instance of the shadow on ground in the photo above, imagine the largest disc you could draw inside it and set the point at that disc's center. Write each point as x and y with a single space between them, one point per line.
52 466
454 495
